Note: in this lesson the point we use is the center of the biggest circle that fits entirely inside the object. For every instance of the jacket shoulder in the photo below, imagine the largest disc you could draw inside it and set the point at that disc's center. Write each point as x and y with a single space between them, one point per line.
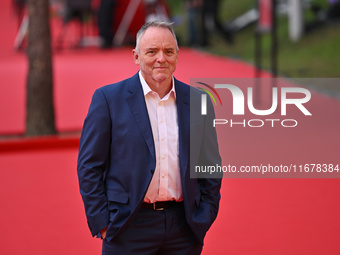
114 87
188 88
119 89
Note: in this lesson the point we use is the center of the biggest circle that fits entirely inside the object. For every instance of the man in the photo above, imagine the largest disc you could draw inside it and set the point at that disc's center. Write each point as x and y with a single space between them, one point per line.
134 158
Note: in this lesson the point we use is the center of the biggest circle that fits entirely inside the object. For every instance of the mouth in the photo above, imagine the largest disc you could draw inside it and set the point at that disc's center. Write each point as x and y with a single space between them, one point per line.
160 67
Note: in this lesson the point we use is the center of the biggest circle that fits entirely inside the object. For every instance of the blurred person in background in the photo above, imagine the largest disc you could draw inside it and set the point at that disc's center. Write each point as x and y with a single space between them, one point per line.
194 8
19 7
211 22
105 23
156 10
333 12
203 20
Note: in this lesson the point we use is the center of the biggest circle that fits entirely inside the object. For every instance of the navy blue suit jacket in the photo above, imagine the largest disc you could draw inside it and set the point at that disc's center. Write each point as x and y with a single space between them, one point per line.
117 158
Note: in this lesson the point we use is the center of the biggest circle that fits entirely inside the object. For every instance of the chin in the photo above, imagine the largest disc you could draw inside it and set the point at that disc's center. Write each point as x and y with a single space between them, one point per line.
161 77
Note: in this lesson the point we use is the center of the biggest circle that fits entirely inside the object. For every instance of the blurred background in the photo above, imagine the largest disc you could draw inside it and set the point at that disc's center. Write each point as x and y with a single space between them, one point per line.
299 40
307 30
284 38
308 36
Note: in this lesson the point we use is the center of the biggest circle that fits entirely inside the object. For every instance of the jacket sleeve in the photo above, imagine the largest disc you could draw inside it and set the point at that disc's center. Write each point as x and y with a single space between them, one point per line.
209 183
210 156
93 160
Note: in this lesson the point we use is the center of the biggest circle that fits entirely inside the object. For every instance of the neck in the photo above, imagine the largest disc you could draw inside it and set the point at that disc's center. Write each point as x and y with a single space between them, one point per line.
160 87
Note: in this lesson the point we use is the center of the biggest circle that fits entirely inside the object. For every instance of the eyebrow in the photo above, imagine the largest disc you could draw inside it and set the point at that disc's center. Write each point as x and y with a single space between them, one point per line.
155 48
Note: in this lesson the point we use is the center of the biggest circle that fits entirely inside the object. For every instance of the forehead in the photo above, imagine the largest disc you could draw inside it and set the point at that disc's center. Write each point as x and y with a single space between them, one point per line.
157 37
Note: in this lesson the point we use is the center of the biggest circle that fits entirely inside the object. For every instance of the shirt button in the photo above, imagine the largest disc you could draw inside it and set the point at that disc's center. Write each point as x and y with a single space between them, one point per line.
163 157
163 139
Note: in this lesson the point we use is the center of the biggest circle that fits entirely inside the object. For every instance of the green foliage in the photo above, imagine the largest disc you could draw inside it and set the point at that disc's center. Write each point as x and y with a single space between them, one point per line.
316 54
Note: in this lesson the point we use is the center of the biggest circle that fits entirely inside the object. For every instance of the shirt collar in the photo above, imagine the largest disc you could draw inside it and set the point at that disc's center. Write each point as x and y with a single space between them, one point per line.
147 89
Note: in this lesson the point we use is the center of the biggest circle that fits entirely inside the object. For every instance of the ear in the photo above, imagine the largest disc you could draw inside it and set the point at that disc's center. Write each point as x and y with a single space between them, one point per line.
135 57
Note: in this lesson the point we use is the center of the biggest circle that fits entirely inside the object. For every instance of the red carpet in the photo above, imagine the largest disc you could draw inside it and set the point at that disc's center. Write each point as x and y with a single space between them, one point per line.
41 209
78 73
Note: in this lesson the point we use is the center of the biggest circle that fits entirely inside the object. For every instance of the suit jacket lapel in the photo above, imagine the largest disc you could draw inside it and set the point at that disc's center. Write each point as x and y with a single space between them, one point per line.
183 113
138 108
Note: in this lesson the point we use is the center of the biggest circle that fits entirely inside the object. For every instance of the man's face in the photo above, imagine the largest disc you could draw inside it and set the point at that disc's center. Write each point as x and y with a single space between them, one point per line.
157 56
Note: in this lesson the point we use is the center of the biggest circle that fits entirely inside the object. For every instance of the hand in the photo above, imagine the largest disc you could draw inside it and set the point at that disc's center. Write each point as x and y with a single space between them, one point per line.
103 233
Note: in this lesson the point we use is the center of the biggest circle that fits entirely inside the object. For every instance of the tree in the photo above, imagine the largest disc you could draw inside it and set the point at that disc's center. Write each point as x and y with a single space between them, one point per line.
39 111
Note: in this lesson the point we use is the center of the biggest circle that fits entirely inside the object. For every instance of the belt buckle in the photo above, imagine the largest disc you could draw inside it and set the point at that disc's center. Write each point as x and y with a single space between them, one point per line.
157 209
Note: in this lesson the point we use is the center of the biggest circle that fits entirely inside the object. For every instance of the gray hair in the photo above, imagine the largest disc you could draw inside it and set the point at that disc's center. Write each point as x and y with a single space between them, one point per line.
157 23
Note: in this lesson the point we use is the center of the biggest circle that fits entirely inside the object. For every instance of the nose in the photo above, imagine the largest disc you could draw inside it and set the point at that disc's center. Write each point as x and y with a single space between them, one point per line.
161 57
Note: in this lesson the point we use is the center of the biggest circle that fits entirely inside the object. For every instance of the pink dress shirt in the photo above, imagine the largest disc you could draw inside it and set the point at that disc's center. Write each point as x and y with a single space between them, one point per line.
166 181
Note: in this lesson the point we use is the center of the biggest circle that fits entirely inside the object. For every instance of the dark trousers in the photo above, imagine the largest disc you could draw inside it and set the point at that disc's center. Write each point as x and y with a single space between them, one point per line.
155 233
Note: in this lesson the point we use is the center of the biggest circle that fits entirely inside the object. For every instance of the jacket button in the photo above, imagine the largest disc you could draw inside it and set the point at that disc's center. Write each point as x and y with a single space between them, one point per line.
152 171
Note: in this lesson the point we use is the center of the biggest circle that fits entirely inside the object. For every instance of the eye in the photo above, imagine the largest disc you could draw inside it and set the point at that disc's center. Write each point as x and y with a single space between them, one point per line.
150 52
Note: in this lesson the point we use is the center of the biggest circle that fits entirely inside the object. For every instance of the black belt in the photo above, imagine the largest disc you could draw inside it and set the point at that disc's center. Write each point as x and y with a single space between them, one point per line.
160 206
